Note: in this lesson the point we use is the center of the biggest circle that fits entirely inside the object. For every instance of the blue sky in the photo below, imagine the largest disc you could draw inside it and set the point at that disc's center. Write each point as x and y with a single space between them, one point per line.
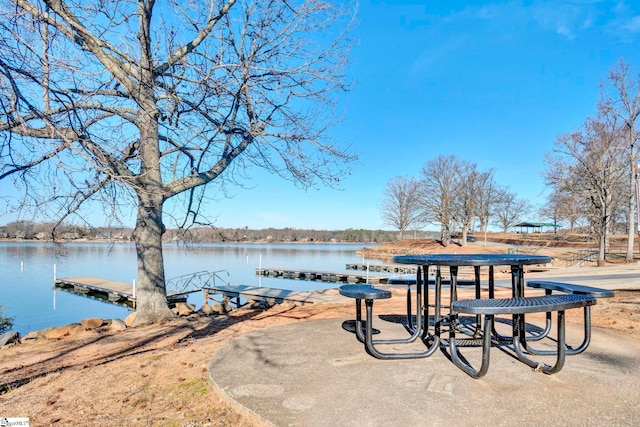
491 82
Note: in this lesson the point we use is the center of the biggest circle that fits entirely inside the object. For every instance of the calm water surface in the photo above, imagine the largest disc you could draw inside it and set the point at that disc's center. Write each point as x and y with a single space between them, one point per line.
26 284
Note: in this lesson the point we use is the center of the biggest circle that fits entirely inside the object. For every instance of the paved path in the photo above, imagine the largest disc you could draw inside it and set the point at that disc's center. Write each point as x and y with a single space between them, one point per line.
317 374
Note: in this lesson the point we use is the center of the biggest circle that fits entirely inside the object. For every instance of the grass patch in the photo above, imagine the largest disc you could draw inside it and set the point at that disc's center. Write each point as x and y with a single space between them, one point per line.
193 388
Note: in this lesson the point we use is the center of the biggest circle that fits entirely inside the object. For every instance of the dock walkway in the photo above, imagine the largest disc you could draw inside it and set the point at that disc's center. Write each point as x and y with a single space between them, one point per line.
383 268
122 293
111 291
269 295
321 276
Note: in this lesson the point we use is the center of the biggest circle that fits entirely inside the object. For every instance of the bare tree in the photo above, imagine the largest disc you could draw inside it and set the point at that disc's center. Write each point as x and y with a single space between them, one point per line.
509 209
400 205
137 103
624 104
439 184
475 197
564 206
487 196
590 164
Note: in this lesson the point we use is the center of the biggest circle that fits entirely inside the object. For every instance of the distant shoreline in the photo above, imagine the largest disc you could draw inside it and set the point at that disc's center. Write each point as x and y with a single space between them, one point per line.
262 242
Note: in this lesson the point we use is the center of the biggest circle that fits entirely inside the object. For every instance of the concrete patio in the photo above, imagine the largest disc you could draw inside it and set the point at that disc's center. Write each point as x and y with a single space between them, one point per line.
316 373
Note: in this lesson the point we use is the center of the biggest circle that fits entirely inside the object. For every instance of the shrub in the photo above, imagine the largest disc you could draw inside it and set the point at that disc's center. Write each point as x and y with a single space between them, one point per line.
6 323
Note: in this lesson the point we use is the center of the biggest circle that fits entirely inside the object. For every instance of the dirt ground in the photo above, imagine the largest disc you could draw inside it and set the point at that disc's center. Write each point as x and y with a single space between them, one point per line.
157 375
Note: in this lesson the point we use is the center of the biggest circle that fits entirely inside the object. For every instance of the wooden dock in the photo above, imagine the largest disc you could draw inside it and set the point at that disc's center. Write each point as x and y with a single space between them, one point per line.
110 291
122 293
321 276
379 268
269 295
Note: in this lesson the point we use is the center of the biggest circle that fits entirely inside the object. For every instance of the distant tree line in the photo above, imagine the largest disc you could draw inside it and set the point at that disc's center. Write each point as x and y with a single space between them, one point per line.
29 230
279 235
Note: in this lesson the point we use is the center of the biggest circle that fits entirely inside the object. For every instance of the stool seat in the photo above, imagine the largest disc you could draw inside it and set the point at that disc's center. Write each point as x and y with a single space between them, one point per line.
364 292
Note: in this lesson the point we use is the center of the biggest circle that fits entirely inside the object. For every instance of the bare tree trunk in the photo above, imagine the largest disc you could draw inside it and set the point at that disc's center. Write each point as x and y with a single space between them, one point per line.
602 249
150 291
603 241
631 211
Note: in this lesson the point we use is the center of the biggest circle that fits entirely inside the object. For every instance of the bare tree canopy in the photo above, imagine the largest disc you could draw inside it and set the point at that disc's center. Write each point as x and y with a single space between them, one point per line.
133 103
455 193
621 99
566 206
440 181
590 163
400 205
509 209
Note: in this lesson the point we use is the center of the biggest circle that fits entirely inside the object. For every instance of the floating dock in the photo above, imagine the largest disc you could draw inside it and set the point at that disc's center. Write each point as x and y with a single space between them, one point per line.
269 295
122 293
378 268
321 276
110 291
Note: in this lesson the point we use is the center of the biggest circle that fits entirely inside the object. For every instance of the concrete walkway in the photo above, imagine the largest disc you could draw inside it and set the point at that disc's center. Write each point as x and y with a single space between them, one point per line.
317 374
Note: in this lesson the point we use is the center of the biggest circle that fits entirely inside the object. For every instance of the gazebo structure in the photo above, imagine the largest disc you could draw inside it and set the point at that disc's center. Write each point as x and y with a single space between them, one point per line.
536 227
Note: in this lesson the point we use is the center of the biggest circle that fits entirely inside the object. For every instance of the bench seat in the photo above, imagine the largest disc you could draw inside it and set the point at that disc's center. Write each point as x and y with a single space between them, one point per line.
573 289
570 288
364 292
522 305
517 307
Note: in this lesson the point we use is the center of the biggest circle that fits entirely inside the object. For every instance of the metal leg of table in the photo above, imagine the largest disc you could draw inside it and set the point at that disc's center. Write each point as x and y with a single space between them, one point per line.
370 343
570 350
517 290
420 329
409 315
362 335
455 323
476 271
462 362
561 349
422 303
437 317
547 326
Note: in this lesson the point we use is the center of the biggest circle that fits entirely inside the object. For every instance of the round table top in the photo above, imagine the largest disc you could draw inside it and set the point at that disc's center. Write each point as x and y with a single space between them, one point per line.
472 259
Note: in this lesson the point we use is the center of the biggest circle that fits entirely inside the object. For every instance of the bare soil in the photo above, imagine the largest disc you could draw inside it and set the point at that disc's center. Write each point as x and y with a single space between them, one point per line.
157 375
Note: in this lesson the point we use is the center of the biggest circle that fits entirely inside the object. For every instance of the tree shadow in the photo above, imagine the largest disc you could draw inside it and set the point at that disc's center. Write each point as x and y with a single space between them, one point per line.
111 346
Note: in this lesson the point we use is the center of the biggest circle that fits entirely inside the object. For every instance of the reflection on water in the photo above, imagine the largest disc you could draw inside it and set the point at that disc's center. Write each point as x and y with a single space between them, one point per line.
28 268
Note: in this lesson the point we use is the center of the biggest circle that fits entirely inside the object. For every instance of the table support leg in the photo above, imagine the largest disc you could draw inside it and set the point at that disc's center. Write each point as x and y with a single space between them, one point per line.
437 319
476 270
371 343
461 362
570 350
560 353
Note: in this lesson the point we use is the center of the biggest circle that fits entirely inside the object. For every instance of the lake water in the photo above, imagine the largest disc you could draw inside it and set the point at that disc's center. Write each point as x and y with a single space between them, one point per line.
27 269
